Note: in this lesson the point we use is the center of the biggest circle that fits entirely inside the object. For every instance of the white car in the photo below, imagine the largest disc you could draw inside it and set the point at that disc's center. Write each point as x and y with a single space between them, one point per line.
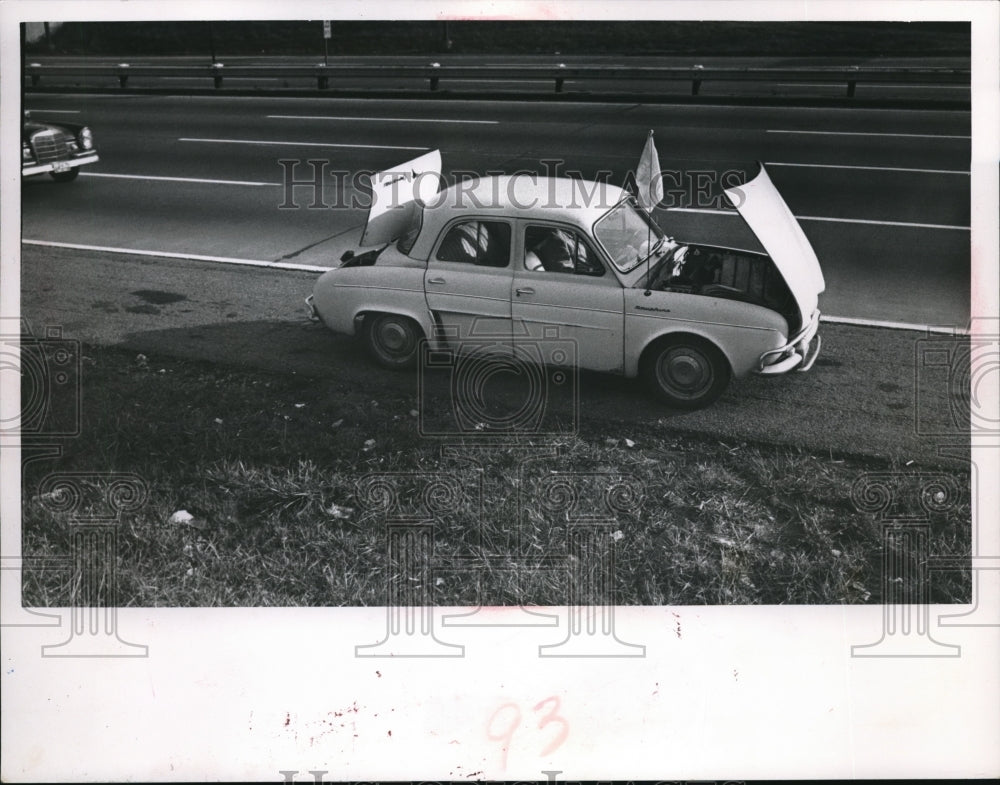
525 258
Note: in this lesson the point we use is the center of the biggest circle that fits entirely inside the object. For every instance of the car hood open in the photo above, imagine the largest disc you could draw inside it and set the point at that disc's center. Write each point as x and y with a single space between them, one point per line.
397 194
769 218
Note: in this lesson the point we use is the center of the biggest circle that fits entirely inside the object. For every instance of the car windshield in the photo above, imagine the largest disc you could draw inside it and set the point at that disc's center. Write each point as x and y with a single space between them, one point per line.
628 235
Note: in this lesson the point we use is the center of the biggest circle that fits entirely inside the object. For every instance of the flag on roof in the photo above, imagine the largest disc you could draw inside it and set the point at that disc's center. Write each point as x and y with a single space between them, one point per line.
648 181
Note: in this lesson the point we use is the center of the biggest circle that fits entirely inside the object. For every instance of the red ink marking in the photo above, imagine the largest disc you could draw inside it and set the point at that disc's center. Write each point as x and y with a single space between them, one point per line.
550 718
379 674
507 734
288 719
389 732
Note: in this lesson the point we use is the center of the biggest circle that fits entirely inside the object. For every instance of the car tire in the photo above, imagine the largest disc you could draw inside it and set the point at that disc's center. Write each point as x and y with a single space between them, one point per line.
686 372
392 340
65 177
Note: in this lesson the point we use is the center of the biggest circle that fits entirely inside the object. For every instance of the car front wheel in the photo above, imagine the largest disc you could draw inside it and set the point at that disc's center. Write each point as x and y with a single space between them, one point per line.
65 177
686 372
392 340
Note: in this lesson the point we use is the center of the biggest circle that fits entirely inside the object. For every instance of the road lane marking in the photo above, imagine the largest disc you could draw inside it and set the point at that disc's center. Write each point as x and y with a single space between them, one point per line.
906 224
186 256
381 119
315 268
924 328
157 178
868 168
867 133
302 144
56 111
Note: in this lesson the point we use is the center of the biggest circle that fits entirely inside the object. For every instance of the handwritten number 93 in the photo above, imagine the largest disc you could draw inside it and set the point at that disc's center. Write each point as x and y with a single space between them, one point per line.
507 719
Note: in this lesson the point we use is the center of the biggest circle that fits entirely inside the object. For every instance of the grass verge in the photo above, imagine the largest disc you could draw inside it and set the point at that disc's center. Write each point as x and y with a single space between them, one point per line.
287 481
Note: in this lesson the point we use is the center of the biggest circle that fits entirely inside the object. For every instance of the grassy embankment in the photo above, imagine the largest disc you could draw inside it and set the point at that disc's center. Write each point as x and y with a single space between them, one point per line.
268 465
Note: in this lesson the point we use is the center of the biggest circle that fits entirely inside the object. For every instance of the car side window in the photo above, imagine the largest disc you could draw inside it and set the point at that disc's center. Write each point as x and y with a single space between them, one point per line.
483 243
556 250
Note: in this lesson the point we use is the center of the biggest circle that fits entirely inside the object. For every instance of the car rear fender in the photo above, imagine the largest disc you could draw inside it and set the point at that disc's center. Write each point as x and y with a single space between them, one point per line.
342 296
422 318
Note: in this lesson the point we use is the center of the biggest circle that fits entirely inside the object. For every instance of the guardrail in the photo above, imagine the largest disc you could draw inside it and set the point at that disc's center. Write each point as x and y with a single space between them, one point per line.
557 74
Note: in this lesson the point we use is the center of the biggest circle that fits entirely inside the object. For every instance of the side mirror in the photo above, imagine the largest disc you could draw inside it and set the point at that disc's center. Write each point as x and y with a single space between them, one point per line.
348 255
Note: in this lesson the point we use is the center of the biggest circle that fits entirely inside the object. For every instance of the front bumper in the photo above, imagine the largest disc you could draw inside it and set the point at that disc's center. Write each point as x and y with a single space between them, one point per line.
798 354
313 313
59 166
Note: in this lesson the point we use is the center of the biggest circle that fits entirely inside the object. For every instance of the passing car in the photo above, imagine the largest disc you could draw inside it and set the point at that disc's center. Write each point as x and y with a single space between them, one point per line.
58 149
526 258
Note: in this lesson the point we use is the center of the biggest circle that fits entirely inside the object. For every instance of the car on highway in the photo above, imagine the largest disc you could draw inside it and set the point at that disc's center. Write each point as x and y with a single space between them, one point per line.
58 149
522 259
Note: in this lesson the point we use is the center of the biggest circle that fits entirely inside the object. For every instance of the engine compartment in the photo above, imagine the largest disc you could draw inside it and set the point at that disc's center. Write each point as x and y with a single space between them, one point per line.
730 274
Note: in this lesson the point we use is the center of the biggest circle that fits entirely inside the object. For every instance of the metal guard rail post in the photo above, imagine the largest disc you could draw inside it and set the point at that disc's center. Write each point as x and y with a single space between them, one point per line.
557 74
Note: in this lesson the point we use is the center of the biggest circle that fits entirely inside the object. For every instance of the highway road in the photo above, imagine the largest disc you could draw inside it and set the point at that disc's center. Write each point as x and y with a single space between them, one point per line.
190 189
883 195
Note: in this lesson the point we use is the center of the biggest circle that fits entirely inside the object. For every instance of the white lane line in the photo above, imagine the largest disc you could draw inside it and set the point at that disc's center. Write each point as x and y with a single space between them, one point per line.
157 178
924 328
381 119
190 257
906 224
303 144
316 269
56 111
868 168
867 133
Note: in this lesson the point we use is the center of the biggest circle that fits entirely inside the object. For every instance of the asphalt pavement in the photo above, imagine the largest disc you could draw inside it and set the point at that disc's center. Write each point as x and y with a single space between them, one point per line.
882 194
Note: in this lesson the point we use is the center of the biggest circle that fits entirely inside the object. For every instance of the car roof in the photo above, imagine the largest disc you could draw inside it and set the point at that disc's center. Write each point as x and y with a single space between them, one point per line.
525 195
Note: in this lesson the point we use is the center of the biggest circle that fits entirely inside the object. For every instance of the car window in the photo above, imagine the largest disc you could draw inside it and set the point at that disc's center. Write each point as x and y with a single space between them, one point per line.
484 243
555 250
628 235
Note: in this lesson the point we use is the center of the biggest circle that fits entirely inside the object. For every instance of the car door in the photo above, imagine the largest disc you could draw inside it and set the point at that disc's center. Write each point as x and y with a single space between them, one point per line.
468 280
563 290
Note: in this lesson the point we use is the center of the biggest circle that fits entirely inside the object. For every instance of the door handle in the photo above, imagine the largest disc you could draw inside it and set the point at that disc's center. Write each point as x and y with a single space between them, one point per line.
437 281
526 290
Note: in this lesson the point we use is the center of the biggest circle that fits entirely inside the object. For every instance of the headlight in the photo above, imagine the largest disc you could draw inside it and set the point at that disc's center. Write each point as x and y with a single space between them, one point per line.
85 138
25 152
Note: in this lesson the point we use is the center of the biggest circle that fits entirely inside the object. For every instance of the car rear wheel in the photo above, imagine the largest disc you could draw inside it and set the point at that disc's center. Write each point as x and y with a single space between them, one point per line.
65 177
685 371
392 340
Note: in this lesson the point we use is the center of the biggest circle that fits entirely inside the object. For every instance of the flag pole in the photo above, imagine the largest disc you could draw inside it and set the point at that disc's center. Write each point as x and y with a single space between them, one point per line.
649 228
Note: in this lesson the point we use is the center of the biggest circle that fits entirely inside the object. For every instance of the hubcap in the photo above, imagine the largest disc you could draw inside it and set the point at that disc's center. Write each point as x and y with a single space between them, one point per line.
394 338
685 371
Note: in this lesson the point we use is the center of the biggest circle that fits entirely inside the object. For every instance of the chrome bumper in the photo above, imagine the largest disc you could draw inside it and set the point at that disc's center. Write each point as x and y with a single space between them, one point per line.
313 315
58 166
798 354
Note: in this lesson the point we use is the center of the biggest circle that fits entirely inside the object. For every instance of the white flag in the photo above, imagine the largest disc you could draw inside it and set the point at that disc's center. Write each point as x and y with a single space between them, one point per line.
648 181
